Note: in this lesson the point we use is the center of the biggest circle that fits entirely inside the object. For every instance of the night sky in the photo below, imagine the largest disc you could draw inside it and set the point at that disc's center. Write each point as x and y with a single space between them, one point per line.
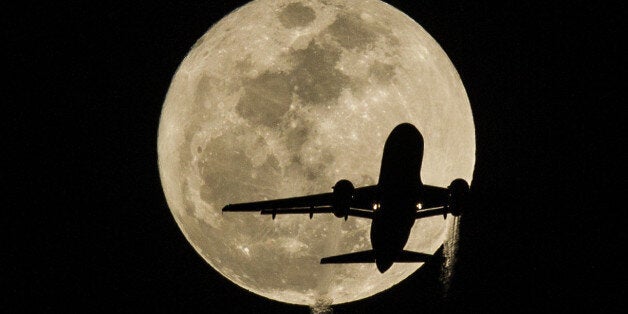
89 227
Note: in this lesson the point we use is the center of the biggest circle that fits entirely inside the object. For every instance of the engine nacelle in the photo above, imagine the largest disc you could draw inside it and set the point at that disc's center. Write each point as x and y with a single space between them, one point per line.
343 195
457 196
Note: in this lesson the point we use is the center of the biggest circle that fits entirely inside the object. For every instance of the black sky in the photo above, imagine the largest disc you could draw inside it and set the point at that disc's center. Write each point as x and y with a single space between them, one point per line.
88 220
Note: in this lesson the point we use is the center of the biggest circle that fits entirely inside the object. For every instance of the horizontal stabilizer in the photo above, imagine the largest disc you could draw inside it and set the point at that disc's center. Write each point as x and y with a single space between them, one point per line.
412 257
369 257
357 257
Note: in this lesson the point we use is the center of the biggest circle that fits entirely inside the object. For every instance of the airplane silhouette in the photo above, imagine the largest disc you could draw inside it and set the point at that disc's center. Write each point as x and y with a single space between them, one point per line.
398 199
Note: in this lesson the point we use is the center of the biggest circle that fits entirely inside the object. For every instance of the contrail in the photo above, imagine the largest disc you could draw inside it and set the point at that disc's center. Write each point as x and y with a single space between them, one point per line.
450 250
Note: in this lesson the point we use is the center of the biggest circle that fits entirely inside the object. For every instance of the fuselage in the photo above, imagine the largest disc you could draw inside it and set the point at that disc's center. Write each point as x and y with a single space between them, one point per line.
399 191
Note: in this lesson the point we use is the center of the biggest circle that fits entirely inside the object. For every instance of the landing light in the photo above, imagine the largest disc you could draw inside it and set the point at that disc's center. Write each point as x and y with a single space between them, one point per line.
376 206
419 205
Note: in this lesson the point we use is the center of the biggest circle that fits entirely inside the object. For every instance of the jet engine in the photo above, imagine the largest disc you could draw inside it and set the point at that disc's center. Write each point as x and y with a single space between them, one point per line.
457 196
343 194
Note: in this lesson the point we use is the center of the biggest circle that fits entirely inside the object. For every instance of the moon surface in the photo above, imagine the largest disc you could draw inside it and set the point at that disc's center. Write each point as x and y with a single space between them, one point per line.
284 98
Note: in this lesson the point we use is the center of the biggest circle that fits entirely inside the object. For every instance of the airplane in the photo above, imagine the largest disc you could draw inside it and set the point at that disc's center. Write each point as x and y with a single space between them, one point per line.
393 204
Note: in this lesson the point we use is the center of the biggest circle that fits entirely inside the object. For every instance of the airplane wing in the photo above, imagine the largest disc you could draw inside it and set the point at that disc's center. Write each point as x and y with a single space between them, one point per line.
433 202
361 204
442 201
309 201
433 196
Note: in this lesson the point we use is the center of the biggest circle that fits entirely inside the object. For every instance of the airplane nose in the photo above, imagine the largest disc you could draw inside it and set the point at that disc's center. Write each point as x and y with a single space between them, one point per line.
383 265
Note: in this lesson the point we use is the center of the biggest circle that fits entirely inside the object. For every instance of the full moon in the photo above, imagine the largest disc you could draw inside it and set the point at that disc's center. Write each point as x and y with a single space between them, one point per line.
283 98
